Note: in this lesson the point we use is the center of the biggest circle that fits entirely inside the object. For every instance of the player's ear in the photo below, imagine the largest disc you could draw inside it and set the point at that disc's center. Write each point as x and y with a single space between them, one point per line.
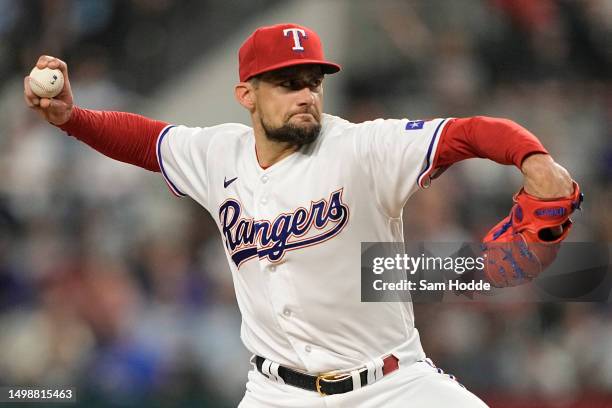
245 95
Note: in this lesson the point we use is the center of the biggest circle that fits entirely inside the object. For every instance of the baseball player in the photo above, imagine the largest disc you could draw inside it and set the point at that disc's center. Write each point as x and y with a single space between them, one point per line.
294 195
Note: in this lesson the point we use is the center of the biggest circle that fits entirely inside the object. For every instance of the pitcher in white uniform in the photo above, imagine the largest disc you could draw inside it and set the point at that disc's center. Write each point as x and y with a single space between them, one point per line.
294 196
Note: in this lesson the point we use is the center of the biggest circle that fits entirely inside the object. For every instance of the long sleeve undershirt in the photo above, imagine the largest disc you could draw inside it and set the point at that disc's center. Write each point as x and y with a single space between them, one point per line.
132 138
122 136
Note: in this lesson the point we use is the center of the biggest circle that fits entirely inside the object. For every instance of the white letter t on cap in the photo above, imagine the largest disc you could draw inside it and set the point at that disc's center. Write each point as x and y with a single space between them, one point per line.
297 46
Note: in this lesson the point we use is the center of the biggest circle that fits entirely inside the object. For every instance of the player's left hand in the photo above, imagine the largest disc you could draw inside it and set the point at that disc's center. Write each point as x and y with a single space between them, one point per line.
526 242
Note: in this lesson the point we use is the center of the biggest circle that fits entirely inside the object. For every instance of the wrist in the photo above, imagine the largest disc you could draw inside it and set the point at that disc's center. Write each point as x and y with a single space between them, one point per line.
544 178
66 119
536 164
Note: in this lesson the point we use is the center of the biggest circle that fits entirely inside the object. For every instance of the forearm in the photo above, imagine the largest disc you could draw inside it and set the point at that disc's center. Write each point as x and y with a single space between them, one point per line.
122 136
504 142
500 140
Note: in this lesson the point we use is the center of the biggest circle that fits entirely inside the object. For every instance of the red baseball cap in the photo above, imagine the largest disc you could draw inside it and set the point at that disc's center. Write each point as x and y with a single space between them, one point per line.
279 46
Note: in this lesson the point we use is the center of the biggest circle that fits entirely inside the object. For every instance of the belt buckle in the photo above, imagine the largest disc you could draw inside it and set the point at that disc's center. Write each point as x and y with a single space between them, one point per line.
326 376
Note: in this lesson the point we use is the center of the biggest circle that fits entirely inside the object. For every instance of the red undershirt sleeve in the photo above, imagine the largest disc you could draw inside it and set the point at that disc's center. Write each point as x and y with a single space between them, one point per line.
122 136
500 140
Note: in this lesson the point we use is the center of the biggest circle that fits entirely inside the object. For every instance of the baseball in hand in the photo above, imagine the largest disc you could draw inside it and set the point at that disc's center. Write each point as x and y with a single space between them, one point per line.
46 82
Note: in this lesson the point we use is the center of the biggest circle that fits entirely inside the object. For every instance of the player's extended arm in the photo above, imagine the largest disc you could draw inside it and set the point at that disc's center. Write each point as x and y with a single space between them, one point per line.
525 242
122 136
504 142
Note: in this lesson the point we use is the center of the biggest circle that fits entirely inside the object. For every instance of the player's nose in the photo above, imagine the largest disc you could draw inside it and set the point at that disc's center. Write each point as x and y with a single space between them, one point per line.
306 97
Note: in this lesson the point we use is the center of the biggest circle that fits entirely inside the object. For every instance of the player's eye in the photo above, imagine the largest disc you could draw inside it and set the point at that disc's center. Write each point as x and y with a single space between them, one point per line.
298 84
315 83
292 84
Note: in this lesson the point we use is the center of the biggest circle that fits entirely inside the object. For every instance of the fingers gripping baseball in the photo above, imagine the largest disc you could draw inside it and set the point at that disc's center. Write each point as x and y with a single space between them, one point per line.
37 93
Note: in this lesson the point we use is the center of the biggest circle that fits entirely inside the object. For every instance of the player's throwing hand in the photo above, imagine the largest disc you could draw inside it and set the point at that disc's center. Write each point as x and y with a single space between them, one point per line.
58 109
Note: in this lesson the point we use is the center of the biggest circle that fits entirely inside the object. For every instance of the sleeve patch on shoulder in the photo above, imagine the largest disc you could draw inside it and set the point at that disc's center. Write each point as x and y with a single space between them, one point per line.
415 124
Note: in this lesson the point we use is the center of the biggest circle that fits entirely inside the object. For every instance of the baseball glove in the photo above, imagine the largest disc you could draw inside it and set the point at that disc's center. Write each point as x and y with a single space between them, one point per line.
522 245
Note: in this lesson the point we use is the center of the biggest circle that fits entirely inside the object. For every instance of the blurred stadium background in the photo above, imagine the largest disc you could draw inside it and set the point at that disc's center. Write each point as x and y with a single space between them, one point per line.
110 284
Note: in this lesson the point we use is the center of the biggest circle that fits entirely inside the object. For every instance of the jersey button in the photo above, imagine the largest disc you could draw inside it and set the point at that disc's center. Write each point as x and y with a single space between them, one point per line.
308 348
264 179
272 268
287 312
263 200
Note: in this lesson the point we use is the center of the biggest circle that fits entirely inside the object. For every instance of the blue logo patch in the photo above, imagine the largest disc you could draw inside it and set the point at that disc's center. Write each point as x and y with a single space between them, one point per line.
550 212
415 124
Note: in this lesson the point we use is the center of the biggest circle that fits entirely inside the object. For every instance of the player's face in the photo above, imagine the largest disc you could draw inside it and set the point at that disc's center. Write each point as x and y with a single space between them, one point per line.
289 103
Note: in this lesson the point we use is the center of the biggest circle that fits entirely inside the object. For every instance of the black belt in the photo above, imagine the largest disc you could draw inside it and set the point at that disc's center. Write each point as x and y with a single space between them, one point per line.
326 384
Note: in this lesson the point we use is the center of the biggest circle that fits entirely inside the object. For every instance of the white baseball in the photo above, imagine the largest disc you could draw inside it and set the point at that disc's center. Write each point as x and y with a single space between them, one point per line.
46 82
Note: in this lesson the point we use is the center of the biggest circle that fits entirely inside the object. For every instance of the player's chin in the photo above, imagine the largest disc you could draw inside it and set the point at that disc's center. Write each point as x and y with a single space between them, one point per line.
294 133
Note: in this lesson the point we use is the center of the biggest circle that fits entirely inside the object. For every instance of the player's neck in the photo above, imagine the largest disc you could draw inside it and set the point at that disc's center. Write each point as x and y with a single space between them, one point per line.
270 152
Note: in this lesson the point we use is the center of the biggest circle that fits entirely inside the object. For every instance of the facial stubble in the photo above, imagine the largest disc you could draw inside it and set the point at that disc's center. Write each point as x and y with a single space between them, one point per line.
294 135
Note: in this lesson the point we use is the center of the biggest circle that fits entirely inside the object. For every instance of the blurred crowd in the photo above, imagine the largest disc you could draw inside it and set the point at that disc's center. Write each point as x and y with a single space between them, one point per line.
109 284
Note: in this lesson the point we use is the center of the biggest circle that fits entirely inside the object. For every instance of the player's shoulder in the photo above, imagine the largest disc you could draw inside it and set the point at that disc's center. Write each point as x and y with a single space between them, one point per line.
336 125
227 131
384 124
222 137
400 126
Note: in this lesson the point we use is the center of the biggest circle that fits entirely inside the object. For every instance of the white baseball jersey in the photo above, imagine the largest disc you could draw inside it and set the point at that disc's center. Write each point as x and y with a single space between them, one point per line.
292 232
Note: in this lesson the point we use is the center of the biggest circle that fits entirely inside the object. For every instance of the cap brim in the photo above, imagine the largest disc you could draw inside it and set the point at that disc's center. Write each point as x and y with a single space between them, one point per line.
328 67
